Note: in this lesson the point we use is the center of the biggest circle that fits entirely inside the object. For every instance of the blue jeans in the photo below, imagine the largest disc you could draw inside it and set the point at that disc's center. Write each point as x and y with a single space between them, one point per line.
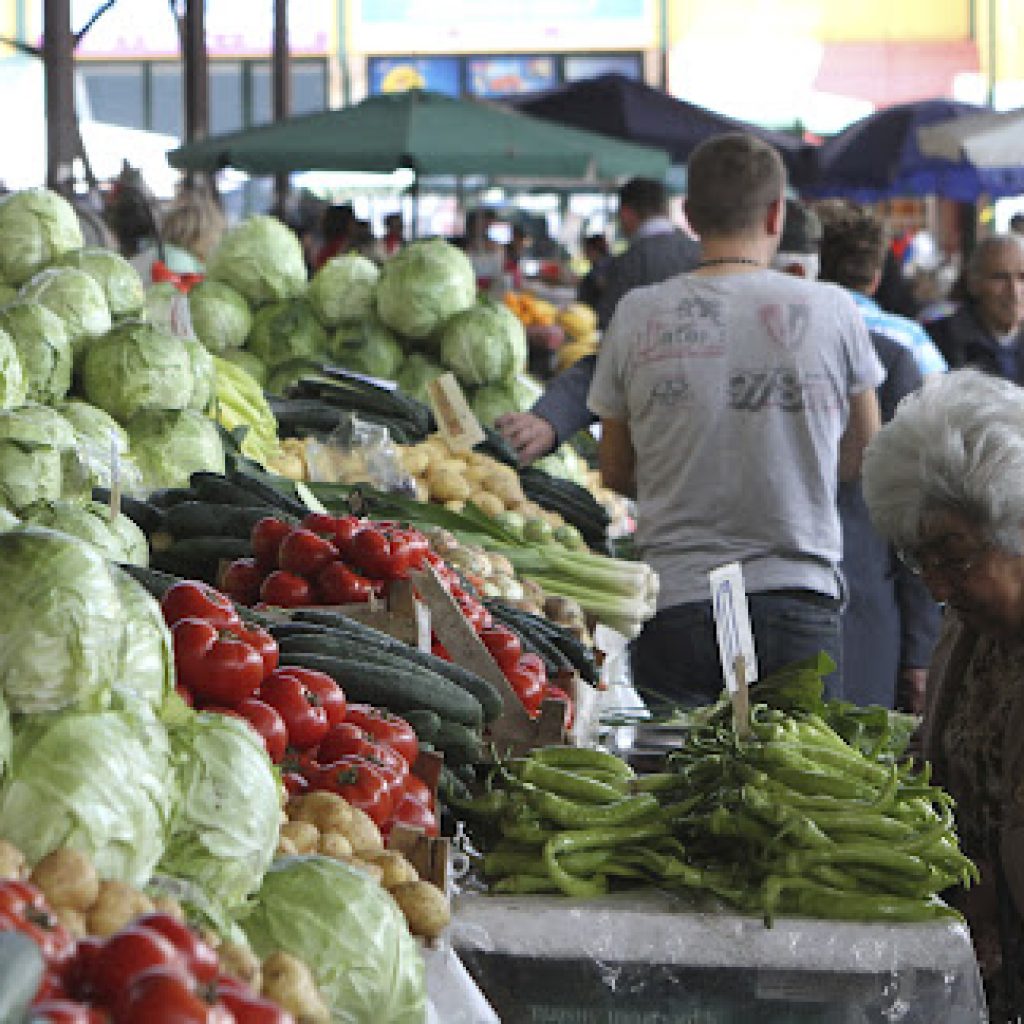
675 658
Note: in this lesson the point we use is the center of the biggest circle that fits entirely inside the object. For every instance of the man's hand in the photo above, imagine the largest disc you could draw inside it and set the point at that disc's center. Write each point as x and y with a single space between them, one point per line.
531 436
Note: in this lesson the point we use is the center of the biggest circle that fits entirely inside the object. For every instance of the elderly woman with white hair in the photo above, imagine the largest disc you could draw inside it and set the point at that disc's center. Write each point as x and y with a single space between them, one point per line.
944 481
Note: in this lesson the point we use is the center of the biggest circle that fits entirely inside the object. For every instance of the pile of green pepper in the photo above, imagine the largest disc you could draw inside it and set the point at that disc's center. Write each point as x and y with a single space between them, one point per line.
789 820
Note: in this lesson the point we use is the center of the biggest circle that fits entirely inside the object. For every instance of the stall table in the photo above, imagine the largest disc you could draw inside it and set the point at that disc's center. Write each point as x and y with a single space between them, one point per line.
646 957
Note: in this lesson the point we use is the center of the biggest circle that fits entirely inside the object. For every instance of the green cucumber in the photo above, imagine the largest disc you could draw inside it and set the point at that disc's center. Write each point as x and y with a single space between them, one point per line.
215 519
157 583
396 690
199 558
425 724
459 744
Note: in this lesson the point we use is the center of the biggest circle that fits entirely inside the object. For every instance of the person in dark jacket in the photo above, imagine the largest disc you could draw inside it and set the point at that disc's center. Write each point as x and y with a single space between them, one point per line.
890 622
657 251
987 331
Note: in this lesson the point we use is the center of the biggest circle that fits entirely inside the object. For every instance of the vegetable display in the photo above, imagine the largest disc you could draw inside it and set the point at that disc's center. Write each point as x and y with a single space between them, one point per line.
37 226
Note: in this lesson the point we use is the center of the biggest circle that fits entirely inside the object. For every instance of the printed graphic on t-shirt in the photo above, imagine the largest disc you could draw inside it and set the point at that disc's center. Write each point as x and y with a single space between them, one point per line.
700 334
786 325
674 391
780 387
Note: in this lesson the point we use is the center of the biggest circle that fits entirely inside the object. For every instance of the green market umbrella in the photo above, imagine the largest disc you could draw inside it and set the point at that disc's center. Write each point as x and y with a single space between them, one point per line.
430 133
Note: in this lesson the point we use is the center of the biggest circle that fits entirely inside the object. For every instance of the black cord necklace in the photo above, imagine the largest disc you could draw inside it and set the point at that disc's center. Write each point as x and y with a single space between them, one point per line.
723 260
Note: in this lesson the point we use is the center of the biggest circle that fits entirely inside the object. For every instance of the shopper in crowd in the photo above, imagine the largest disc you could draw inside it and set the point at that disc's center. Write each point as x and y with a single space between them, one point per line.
190 230
945 483
658 250
890 621
732 400
857 265
394 235
336 233
1017 223
987 331
592 285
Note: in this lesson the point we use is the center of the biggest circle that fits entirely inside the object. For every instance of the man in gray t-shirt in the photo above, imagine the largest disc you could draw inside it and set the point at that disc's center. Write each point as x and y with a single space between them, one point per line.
732 401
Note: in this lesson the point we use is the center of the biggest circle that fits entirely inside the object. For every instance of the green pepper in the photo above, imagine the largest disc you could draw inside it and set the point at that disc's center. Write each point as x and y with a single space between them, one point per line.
567 814
567 784
488 806
571 885
529 832
575 758
524 885
863 854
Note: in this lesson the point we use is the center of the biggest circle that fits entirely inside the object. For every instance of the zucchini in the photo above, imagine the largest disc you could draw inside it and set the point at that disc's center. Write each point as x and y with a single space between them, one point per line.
169 496
262 491
425 724
157 583
459 744
578 655
387 687
450 787
199 558
147 517
213 519
495 445
214 489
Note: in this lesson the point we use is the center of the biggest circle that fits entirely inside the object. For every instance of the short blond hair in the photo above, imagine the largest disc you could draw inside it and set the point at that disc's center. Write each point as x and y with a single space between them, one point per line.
194 221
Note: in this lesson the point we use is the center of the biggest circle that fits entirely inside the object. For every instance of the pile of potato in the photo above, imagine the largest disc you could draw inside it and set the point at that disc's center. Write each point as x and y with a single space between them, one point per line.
325 823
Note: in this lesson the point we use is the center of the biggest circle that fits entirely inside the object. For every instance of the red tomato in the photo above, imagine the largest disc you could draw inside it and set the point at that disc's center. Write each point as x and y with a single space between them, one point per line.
199 957
78 976
241 581
262 641
286 590
184 694
418 790
304 717
417 548
388 728
23 908
391 763
320 522
380 552
217 667
265 538
64 1011
295 783
125 956
476 614
53 984
194 599
267 723
342 740
534 663
557 693
328 694
503 645
305 553
361 783
249 1008
336 583
345 529
412 812
162 995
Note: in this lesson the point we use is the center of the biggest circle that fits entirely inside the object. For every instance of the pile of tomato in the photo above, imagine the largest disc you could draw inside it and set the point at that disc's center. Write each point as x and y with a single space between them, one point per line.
325 560
156 970
321 741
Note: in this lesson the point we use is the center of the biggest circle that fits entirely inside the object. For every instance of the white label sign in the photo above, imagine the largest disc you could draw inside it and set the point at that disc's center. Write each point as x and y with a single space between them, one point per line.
455 420
732 622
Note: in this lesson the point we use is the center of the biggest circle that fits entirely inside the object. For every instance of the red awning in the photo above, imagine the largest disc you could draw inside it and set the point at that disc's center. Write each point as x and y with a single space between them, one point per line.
887 72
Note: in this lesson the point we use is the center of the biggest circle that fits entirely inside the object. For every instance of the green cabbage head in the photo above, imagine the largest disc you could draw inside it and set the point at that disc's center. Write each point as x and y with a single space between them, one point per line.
225 828
342 289
286 330
204 374
261 259
60 621
122 286
220 316
76 298
146 659
348 931
13 385
484 344
43 348
424 284
99 782
169 446
416 373
119 540
91 463
37 226
135 367
367 347
33 440
494 400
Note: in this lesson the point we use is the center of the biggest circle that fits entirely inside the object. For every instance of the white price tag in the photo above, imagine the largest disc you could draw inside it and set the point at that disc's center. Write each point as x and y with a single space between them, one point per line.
115 477
455 420
732 622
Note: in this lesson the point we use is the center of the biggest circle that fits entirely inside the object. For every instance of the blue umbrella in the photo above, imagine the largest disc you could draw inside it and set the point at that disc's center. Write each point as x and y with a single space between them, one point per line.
879 157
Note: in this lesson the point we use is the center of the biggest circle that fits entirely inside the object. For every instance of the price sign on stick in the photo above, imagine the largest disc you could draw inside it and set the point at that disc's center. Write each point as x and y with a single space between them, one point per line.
455 420
735 639
115 477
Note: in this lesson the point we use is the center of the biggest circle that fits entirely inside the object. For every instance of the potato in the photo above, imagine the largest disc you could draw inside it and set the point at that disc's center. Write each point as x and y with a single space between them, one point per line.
289 982
285 848
425 908
168 905
305 836
455 505
68 879
447 484
505 487
328 811
475 472
334 844
240 962
73 920
375 871
12 861
395 868
415 460
421 490
116 905
362 833
489 504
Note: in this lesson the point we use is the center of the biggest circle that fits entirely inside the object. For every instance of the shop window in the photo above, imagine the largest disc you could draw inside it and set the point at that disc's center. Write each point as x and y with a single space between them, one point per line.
115 93
576 68
226 101
167 100
309 89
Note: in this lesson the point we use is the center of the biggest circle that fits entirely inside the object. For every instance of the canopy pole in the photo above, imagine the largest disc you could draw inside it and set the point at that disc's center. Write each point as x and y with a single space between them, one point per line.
282 95
61 134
